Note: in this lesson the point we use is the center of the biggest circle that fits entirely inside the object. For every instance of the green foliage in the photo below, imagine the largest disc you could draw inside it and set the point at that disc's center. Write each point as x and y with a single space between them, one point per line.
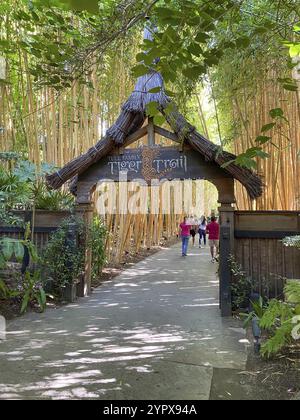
96 242
276 310
278 319
248 159
258 311
280 338
23 187
15 248
58 37
9 219
63 260
91 6
231 43
33 292
292 241
13 191
52 200
9 248
9 156
292 292
241 286
6 293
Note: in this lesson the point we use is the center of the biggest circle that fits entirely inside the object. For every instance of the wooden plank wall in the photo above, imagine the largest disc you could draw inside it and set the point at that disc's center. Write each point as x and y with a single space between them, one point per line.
44 224
260 251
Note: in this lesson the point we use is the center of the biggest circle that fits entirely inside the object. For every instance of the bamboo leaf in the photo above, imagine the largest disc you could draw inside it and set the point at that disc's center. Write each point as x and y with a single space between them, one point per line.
262 139
276 113
268 127
155 90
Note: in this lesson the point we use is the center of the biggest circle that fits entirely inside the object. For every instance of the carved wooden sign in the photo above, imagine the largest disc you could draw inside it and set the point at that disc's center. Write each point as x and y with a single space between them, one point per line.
153 163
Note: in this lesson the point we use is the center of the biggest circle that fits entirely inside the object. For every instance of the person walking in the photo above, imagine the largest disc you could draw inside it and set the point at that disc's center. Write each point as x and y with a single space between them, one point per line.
213 230
185 229
202 231
193 231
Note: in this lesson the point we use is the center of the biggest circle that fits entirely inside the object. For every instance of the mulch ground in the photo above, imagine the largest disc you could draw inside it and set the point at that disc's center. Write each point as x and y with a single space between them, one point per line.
277 378
10 309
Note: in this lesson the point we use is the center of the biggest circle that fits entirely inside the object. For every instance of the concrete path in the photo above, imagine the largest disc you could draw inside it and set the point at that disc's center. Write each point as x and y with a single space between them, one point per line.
154 332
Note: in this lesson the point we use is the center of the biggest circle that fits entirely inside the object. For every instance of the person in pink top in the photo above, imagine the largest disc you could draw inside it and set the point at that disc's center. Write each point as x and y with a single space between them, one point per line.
185 229
213 230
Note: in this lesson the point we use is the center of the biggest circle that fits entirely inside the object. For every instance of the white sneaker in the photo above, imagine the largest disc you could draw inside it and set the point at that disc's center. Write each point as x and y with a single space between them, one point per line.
213 260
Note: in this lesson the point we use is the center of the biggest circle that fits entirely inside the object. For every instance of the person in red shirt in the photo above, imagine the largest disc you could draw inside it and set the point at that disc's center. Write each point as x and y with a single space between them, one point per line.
185 229
213 230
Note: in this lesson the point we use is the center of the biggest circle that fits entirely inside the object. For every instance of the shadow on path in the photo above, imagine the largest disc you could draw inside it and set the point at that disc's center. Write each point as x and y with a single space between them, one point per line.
154 332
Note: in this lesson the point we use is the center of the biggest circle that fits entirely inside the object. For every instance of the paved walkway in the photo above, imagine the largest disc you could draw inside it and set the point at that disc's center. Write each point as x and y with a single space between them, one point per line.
154 332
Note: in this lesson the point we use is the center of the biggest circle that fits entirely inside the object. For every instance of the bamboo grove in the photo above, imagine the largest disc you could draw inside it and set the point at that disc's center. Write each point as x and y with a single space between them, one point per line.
229 104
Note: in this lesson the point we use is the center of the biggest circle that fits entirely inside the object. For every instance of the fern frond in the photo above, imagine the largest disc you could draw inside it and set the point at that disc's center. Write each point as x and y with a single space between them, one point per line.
276 313
292 291
281 338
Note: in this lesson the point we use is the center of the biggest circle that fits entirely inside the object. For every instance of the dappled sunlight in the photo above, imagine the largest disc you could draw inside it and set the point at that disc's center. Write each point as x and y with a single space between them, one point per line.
126 284
131 326
201 305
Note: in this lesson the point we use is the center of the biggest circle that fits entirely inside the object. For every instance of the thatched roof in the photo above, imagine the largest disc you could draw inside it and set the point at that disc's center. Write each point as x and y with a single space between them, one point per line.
132 117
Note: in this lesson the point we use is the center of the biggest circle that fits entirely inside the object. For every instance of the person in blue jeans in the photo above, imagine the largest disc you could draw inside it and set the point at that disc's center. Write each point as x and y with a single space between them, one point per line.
202 231
185 229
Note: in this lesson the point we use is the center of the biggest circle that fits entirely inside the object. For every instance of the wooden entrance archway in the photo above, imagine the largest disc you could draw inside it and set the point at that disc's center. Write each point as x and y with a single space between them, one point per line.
154 162
129 127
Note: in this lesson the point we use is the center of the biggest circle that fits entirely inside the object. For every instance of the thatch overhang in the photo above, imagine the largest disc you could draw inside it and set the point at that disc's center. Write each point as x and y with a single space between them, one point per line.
132 117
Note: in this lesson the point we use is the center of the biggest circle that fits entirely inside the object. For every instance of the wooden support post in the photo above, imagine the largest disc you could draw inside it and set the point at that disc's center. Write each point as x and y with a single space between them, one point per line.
226 249
85 210
151 132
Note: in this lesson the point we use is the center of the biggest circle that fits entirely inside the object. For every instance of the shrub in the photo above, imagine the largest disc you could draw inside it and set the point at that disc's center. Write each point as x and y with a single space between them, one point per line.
52 200
63 256
33 292
241 286
96 241
278 319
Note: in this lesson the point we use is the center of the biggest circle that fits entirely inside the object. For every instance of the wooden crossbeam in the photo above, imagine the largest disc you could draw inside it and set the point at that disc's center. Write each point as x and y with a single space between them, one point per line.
165 133
150 130
136 136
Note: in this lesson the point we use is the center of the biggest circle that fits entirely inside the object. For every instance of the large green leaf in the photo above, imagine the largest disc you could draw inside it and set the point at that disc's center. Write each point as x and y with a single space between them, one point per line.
7 248
88 5
140 70
194 72
19 251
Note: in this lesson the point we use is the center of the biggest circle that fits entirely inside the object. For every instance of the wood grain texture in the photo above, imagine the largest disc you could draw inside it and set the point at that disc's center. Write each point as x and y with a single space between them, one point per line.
261 253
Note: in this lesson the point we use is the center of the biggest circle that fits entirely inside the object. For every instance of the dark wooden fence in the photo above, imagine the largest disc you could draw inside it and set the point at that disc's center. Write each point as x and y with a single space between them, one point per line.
260 251
44 222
